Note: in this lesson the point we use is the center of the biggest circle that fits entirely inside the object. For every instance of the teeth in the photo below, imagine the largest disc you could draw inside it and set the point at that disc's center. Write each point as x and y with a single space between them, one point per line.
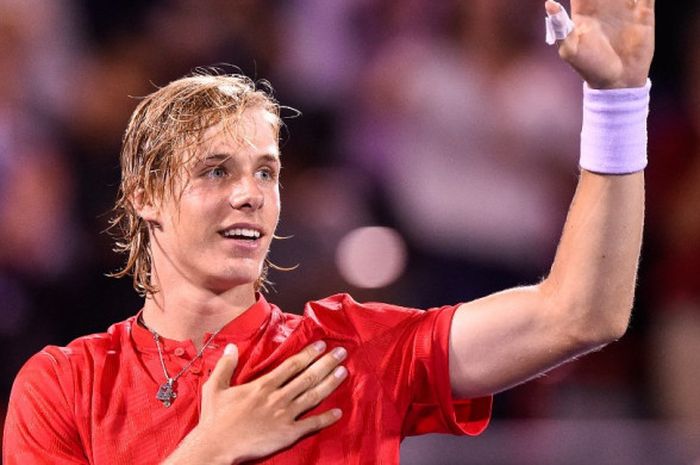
248 233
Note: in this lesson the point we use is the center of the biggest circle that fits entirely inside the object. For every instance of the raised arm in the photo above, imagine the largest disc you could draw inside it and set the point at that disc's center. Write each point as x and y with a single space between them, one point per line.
585 302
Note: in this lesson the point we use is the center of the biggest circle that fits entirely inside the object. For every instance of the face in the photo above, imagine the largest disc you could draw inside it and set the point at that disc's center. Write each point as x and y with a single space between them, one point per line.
217 233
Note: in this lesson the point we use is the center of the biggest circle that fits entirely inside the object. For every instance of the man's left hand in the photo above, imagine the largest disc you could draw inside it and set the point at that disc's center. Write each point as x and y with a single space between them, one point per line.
612 43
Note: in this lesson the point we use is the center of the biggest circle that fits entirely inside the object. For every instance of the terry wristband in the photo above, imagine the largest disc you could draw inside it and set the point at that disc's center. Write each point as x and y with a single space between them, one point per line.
614 131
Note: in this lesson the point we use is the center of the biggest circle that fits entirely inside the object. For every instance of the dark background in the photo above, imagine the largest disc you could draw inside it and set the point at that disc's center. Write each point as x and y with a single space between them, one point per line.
449 123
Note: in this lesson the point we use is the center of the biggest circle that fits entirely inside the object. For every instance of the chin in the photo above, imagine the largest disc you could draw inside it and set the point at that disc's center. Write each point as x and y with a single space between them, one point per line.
220 285
228 279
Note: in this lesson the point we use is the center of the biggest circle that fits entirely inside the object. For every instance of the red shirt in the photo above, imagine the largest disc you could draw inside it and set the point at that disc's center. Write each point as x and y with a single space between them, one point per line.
93 402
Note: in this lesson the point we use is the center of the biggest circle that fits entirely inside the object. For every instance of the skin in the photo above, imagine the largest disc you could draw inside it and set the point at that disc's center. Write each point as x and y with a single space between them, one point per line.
585 302
206 280
495 342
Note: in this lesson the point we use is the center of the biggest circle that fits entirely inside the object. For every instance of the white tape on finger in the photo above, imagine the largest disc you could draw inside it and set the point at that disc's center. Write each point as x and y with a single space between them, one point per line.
558 26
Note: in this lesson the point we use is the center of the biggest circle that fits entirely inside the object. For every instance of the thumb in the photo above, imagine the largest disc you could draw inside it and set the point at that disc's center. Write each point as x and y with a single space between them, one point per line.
552 7
223 371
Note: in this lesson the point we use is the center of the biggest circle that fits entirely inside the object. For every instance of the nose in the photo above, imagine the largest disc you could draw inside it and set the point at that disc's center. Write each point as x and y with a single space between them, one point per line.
246 195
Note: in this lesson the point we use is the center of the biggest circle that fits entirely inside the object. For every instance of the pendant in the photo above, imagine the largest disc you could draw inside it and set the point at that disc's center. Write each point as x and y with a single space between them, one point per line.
166 393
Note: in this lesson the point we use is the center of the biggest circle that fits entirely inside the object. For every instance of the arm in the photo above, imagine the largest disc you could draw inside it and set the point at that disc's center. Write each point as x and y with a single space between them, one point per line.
585 301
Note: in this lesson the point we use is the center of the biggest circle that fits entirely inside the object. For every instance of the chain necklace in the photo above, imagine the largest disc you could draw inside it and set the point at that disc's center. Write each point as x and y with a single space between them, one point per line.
166 392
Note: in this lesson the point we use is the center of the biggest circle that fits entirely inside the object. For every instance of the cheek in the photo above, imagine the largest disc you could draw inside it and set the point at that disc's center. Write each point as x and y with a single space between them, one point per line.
190 225
276 200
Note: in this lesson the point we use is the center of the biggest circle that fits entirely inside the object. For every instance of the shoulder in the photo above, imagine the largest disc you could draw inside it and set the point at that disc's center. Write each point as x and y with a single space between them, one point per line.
344 307
82 352
342 313
48 409
346 304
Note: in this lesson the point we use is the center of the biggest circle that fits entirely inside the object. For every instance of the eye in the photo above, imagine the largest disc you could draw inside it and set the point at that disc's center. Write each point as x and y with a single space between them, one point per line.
267 174
216 172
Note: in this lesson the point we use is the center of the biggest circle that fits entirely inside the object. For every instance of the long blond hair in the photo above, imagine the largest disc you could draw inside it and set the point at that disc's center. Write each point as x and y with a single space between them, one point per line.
164 124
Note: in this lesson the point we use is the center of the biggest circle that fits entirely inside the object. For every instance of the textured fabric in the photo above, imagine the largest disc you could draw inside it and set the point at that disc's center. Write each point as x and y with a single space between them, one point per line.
93 402
614 130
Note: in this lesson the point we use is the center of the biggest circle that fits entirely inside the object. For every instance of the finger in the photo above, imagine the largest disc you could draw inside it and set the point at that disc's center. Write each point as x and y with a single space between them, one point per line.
558 24
223 371
317 422
294 365
552 7
314 396
648 4
644 3
314 374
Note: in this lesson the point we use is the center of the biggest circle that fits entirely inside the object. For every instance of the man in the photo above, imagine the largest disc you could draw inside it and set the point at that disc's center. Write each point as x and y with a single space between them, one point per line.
209 372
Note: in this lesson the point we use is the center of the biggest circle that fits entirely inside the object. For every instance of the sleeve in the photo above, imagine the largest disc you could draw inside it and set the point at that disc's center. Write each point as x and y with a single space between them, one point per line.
410 349
40 425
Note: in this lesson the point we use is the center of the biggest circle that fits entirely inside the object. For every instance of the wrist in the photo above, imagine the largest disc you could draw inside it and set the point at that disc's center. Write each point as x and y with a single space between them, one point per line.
609 85
198 448
614 132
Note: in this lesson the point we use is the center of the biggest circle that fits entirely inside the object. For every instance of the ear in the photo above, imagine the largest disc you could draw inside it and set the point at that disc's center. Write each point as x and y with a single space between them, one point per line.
146 209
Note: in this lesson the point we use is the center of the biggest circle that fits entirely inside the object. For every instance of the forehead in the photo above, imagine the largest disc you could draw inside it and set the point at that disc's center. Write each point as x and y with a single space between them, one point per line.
255 131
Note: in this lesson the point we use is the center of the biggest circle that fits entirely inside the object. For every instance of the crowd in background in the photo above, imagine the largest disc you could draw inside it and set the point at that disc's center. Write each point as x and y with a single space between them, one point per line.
450 122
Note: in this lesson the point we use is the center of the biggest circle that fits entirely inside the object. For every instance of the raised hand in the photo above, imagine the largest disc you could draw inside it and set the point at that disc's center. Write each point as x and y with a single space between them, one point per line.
256 419
613 41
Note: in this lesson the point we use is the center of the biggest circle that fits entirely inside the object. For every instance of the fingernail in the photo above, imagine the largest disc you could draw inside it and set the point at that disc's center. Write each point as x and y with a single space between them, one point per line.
340 372
320 346
229 349
336 412
339 353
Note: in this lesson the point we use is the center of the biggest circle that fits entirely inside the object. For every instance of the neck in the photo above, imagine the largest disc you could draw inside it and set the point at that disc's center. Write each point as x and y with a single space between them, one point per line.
187 312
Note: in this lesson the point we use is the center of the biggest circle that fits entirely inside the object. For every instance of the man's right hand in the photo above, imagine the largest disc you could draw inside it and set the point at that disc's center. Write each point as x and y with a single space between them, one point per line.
256 419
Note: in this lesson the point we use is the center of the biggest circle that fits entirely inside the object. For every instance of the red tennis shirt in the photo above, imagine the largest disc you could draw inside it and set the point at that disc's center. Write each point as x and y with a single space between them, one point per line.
93 402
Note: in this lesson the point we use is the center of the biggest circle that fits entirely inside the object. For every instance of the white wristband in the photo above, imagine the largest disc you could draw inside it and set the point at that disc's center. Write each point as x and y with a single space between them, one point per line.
614 132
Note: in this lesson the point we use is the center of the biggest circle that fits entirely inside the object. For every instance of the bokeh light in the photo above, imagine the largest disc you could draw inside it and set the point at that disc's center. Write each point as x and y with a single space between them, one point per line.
371 257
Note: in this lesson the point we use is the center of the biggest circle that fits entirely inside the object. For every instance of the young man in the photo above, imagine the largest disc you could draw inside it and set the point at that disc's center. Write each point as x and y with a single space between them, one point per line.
209 372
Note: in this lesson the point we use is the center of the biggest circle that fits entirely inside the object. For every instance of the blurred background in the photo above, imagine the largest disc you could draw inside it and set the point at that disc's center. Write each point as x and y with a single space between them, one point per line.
433 164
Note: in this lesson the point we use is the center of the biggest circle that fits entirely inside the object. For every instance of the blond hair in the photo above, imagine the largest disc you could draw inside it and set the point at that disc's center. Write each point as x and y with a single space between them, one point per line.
165 123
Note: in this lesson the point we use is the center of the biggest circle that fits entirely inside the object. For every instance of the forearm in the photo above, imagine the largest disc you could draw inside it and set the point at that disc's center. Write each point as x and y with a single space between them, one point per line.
594 271
195 449
506 338
199 449
586 300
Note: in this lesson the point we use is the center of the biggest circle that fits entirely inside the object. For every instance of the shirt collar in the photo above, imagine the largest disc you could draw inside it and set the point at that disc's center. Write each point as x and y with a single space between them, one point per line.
241 328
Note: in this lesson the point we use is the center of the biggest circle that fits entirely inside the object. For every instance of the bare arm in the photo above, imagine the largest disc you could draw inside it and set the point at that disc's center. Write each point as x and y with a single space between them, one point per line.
585 301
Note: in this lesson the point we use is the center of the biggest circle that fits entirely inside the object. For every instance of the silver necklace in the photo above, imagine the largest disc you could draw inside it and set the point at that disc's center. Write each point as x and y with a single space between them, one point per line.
166 392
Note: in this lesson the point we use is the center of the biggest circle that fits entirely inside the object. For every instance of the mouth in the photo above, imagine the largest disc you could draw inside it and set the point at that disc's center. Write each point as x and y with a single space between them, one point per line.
246 233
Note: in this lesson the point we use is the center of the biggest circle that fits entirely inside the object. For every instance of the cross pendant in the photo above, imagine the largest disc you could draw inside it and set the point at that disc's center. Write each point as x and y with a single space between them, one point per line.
166 392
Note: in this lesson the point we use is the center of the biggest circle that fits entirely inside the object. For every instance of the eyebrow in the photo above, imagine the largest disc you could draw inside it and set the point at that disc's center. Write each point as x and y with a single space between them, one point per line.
215 157
222 157
268 157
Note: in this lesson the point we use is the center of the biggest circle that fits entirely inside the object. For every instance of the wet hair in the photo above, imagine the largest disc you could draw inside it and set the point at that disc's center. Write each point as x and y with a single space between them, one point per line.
162 129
